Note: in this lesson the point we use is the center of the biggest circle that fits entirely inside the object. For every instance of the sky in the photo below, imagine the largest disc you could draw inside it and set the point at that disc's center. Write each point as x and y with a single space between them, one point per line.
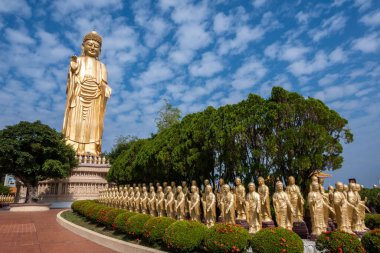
196 54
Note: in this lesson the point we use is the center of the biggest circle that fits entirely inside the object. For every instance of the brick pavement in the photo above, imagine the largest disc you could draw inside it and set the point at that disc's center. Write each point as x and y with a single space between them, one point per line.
38 232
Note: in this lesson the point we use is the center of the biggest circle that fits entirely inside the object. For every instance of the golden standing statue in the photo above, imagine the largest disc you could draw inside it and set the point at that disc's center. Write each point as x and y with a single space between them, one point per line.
282 207
263 190
296 199
87 94
253 209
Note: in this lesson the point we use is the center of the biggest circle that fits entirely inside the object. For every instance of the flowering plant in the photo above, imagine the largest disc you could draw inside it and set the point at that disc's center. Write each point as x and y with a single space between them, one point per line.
338 242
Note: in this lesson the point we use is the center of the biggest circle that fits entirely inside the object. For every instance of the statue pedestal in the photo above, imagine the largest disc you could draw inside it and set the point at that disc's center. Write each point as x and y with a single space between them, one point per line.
85 182
300 228
268 224
242 223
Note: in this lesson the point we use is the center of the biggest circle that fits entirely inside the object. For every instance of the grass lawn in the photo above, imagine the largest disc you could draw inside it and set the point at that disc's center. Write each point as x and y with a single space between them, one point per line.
83 222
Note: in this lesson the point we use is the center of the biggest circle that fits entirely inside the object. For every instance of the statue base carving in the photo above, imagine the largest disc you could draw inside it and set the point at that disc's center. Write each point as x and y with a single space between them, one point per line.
85 182
300 228
268 224
242 223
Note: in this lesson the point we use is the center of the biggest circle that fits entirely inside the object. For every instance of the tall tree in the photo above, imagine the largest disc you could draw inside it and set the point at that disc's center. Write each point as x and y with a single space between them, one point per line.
33 152
167 116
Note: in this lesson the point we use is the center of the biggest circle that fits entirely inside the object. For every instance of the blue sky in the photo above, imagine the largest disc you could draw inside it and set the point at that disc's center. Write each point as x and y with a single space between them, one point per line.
195 54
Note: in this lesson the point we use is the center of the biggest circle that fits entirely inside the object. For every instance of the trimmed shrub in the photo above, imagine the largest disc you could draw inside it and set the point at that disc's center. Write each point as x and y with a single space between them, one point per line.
372 221
121 220
86 208
99 214
278 239
80 205
338 242
226 238
371 241
184 236
110 217
135 224
154 229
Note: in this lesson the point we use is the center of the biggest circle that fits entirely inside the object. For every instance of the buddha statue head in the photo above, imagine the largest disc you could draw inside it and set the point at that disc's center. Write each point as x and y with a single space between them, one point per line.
291 180
279 186
92 43
251 187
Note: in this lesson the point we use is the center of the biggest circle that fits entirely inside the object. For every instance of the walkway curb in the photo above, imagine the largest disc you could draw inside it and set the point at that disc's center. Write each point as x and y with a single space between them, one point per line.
105 241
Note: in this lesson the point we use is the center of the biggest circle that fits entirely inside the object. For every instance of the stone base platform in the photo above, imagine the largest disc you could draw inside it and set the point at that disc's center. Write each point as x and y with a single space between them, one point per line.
300 228
268 224
30 207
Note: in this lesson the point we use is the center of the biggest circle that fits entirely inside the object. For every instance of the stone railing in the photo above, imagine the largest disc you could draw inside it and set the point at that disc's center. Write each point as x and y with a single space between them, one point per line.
7 199
92 159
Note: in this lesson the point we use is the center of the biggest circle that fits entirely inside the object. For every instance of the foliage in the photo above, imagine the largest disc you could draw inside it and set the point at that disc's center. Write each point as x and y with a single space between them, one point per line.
33 152
372 221
283 135
226 238
122 143
120 221
135 225
110 216
167 116
4 190
338 242
371 241
154 229
97 213
278 239
184 236
373 198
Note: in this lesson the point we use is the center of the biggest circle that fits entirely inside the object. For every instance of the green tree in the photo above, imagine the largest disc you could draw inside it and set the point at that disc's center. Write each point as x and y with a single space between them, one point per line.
33 152
167 116
122 143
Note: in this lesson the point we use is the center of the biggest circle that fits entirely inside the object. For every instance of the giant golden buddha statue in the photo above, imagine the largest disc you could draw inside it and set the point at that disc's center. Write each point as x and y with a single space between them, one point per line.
87 94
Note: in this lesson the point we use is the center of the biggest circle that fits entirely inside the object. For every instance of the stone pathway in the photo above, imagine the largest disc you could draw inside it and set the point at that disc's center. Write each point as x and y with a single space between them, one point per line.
38 232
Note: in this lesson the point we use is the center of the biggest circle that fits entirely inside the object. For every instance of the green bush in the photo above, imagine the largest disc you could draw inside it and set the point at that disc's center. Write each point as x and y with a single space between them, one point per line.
373 199
111 216
135 225
338 242
154 229
99 214
371 241
184 236
226 238
80 205
269 240
83 210
121 220
372 221
4 190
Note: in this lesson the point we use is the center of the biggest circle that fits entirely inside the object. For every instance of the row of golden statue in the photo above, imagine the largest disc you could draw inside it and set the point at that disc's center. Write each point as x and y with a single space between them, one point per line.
344 207
7 199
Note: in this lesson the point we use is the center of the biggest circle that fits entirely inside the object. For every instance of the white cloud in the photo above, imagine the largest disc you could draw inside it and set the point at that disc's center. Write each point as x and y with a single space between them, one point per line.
189 13
302 17
338 55
363 4
157 72
335 92
244 35
328 79
208 66
18 37
193 36
303 67
258 3
16 8
329 26
222 23
286 52
367 44
371 19
249 74
181 56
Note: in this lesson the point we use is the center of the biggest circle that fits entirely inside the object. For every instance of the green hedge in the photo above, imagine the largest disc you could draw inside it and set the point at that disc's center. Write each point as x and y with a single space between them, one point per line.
184 236
154 229
269 240
121 220
135 225
372 221
371 241
226 238
338 242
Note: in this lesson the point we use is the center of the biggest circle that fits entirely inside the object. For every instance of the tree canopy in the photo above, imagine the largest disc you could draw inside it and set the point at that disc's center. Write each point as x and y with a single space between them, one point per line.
167 116
33 152
277 137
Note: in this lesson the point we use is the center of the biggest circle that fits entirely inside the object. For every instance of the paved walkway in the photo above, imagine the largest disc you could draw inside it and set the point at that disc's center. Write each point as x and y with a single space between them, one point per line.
38 232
